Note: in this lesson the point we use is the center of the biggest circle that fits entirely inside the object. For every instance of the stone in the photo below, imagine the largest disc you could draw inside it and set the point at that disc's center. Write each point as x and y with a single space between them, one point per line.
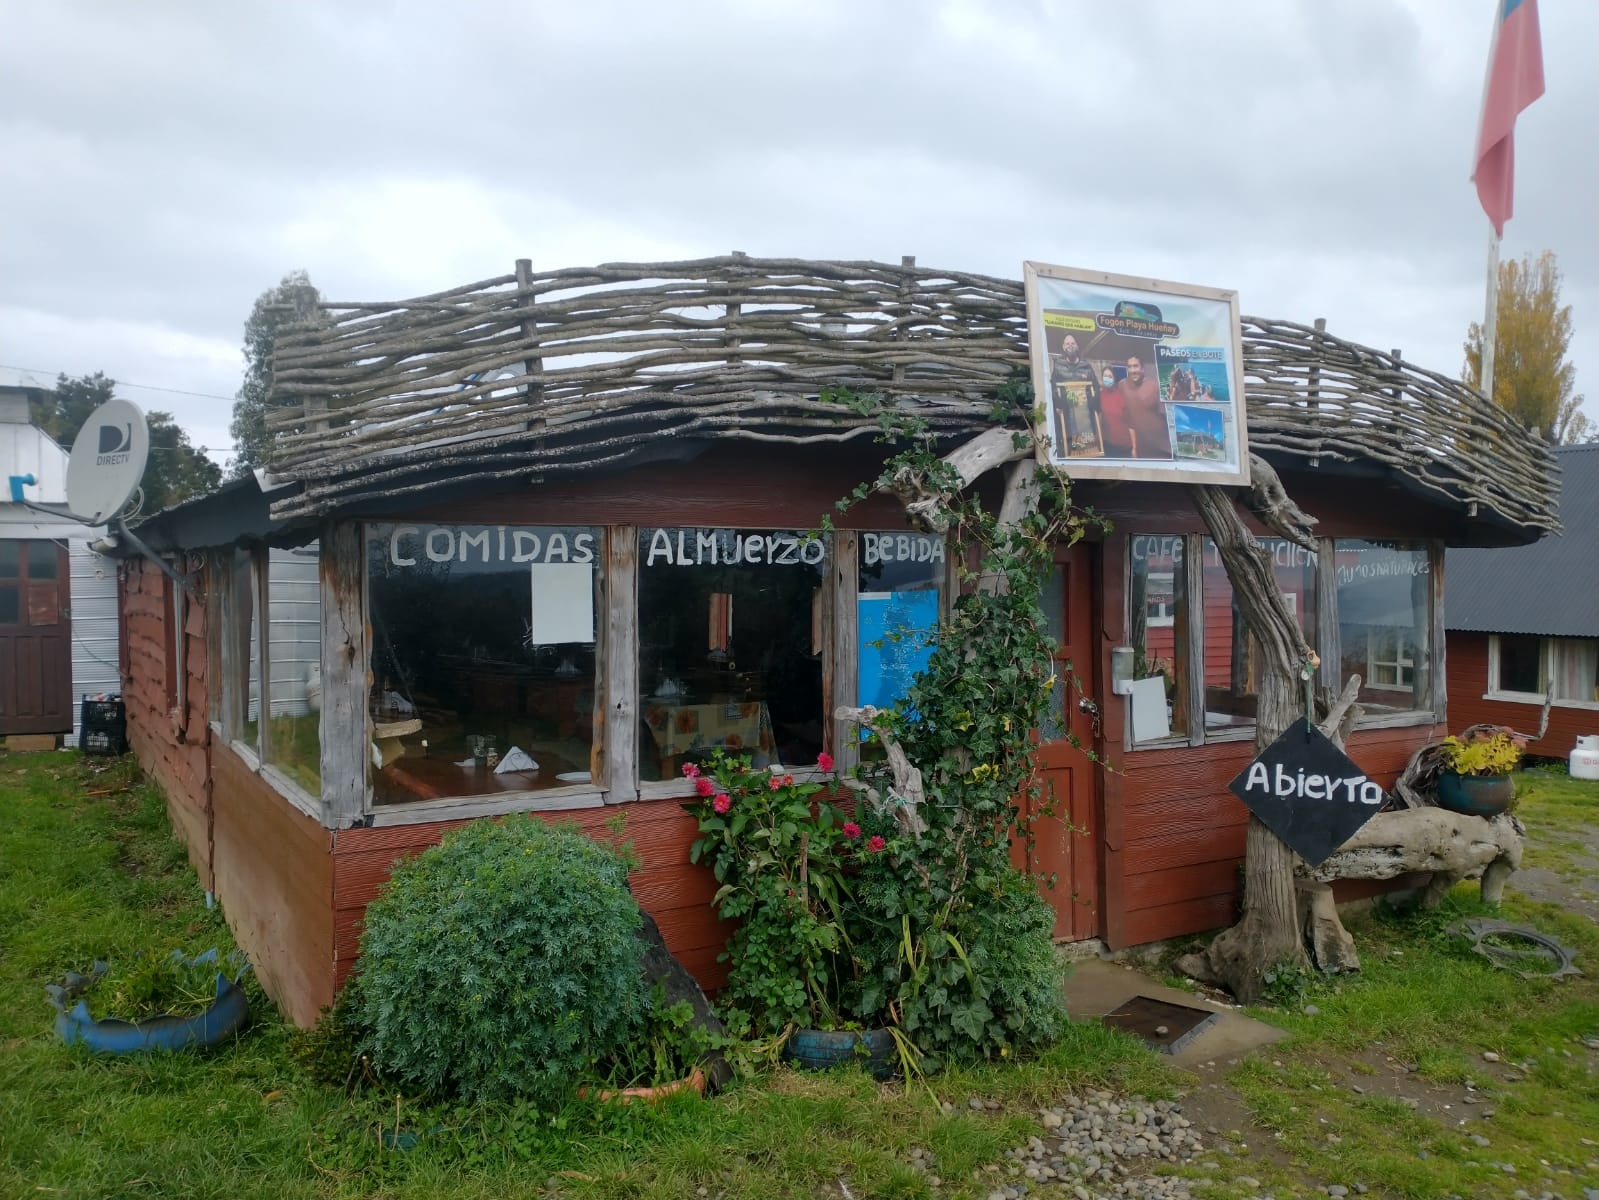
1489 1056
661 967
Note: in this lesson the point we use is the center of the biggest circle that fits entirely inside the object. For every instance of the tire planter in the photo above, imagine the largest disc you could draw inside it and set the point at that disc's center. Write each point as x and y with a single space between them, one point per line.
819 1049
1476 795
110 1035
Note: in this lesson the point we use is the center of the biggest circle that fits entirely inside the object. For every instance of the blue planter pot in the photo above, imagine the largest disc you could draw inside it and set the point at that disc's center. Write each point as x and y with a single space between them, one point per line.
1476 795
109 1035
819 1049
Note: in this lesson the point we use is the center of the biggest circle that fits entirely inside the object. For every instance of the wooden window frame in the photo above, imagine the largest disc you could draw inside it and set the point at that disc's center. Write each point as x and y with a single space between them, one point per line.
1546 650
1325 642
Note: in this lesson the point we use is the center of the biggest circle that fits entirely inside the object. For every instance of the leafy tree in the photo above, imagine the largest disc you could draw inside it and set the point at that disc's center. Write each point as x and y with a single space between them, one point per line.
176 470
1532 379
292 300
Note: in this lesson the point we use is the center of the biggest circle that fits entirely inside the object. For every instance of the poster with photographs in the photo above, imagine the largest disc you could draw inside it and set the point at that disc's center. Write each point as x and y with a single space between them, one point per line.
1137 378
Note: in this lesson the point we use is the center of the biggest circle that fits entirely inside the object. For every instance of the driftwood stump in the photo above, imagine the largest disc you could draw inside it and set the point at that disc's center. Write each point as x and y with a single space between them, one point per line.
1453 846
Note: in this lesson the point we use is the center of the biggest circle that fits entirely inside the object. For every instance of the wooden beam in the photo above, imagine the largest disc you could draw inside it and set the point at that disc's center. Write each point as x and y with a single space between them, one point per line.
619 664
841 685
260 560
346 680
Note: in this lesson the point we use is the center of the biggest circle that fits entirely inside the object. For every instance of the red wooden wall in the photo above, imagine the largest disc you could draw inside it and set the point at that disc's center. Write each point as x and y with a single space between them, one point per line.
1468 685
171 740
675 893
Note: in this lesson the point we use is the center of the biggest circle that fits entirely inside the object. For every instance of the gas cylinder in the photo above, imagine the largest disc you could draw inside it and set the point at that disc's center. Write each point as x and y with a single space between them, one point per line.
1585 758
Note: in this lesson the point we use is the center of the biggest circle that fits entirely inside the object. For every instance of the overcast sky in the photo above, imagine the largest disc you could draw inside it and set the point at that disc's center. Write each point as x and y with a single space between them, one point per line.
162 163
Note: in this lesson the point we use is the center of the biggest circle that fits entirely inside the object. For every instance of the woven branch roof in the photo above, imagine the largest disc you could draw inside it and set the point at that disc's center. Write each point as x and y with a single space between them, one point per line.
540 374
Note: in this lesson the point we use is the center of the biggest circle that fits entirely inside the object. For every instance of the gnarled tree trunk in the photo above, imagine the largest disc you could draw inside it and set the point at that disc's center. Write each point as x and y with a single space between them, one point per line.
1269 932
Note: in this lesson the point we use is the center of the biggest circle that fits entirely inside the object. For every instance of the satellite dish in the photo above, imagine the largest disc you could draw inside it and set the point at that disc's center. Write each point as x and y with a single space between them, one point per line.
107 461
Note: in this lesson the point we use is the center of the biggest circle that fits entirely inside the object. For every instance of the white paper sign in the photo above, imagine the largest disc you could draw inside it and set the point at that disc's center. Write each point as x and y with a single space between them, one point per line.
563 603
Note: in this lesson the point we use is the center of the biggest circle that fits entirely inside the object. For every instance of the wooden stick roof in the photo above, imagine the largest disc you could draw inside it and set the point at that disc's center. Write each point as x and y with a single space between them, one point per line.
535 375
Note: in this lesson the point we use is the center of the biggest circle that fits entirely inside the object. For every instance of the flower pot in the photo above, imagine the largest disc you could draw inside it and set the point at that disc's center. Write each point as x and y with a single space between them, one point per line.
694 1082
109 1035
1476 795
819 1049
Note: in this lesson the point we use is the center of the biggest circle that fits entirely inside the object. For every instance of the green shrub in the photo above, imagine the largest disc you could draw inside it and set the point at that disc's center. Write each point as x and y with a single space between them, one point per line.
502 962
970 975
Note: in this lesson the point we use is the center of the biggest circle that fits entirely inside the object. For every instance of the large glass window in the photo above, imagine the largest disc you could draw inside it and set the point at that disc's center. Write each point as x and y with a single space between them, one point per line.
483 659
1574 663
294 664
1385 622
730 646
1158 704
1232 657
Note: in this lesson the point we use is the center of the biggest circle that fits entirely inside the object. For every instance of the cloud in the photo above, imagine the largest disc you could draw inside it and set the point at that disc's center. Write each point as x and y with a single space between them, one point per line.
163 163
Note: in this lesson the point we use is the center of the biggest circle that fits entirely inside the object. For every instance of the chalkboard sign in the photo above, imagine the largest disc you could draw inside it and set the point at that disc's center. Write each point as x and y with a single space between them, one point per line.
1308 792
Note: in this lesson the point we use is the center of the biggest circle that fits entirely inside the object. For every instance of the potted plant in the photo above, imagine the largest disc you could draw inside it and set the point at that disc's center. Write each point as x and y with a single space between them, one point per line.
152 1001
1476 775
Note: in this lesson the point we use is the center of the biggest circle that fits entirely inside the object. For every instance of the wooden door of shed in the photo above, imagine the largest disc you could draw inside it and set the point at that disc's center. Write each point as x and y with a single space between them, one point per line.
35 638
1066 845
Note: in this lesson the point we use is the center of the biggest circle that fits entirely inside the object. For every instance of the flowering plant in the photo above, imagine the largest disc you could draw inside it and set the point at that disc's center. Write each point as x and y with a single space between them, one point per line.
780 854
1483 752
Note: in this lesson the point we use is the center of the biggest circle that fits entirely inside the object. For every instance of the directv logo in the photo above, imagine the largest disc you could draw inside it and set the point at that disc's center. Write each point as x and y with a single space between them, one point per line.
115 443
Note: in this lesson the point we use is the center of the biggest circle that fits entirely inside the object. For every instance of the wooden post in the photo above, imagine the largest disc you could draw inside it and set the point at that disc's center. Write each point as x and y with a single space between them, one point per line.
619 653
346 685
1327 634
906 290
534 364
261 558
734 341
1191 681
841 672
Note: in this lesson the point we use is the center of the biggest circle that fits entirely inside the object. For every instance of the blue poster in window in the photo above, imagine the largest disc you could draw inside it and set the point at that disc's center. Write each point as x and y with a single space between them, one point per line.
896 640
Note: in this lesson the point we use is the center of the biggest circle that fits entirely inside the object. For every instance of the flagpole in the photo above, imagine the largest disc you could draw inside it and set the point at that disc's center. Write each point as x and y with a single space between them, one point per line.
1490 316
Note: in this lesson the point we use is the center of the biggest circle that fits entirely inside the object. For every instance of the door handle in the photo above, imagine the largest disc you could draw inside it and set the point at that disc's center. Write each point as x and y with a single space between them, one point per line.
1088 705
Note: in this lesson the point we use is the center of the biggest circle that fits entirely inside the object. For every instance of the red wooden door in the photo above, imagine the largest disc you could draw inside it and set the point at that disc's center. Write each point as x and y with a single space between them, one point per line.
35 638
1066 844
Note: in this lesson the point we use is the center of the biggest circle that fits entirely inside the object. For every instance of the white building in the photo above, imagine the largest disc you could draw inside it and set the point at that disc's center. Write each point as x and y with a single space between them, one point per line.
58 598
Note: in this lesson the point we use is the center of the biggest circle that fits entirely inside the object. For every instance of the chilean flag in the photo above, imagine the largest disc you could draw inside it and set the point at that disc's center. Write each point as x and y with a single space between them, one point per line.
1515 80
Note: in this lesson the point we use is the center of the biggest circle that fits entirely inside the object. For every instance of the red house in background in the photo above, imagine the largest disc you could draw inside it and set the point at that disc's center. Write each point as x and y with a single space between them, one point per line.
1524 620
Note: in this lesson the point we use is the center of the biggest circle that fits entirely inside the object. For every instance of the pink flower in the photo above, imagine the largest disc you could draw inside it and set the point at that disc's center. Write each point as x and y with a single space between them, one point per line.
690 770
722 803
703 786
774 783
875 843
824 761
851 830
788 781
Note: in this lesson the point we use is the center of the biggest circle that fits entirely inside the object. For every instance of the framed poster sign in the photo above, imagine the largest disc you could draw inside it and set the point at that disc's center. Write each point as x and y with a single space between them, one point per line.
1136 378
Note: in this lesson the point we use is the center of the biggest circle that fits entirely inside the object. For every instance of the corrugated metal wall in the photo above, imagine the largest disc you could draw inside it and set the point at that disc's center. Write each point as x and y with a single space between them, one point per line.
95 649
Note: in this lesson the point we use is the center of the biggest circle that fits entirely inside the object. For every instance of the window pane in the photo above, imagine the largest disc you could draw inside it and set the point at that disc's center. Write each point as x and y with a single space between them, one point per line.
43 559
1575 662
10 559
730 647
896 611
10 604
1158 707
1385 623
246 648
1232 657
483 641
1520 663
294 655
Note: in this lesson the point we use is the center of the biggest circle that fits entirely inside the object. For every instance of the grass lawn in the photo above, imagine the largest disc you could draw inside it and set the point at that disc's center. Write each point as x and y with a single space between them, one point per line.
1371 1088
97 875
1374 1086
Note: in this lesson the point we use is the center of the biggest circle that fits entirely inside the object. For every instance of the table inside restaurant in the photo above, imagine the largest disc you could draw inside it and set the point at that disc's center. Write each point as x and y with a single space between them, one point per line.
435 777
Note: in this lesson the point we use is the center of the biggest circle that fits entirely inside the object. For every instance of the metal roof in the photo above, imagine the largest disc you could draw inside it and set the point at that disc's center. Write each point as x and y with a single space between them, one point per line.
1549 588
